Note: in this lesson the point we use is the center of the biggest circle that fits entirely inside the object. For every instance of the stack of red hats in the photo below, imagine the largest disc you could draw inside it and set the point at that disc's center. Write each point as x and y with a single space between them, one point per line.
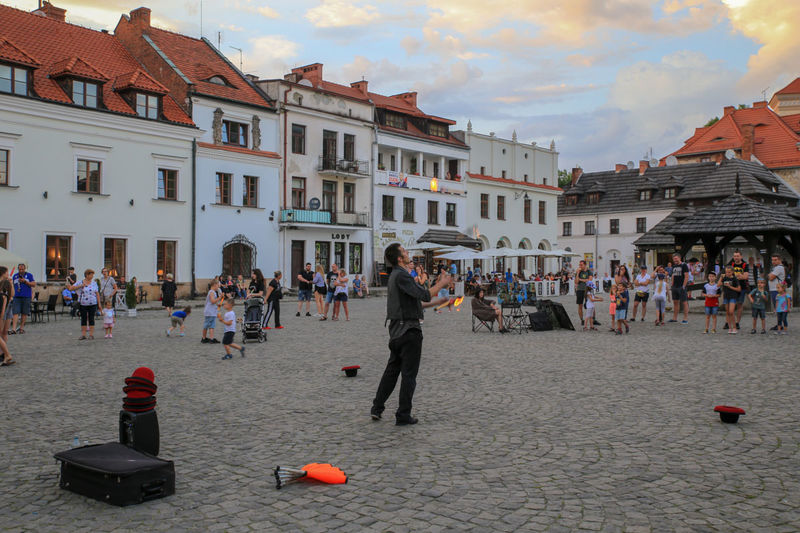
140 389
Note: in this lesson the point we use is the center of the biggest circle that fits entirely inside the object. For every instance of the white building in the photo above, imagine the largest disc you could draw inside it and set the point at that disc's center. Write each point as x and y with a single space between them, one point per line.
89 177
237 161
419 181
327 135
601 214
512 197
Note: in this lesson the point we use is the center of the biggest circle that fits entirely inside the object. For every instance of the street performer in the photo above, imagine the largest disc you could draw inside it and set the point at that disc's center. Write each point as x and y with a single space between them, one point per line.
403 313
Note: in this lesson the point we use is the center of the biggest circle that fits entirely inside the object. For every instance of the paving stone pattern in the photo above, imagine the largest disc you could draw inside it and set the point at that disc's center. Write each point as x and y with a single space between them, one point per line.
551 431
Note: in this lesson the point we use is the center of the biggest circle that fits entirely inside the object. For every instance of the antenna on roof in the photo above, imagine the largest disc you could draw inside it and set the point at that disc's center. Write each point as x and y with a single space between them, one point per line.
240 57
219 40
201 19
631 166
730 154
653 162
764 93
672 160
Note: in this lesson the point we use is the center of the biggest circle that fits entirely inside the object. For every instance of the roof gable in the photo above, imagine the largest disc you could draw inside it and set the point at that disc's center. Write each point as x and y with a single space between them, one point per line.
75 66
138 79
792 88
14 54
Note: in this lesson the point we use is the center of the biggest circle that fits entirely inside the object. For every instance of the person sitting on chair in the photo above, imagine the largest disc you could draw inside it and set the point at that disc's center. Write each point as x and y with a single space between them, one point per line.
69 301
486 310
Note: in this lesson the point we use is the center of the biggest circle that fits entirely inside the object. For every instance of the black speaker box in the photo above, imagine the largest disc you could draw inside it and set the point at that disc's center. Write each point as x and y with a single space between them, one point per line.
140 431
558 315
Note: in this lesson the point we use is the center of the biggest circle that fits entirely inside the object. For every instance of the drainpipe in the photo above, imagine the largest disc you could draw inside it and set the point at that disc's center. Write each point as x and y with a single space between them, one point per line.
194 215
373 167
596 237
285 158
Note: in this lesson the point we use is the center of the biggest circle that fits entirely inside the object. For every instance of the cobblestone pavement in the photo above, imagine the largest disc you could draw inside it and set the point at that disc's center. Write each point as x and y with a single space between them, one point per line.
551 431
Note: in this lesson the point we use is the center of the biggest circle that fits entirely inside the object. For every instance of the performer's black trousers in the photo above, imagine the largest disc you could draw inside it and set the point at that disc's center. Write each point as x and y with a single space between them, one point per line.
404 359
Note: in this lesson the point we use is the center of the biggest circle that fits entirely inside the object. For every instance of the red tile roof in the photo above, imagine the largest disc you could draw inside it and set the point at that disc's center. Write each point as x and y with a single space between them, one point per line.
199 61
792 88
139 79
775 138
793 121
53 44
13 54
514 182
240 150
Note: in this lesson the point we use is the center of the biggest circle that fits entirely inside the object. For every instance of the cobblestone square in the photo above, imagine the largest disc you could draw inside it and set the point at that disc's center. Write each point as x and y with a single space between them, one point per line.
549 431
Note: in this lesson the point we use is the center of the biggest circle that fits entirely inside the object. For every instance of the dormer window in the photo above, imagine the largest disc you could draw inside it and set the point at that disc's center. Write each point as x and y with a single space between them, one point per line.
646 194
218 80
670 193
571 199
395 120
84 93
438 130
234 133
13 80
147 105
593 198
774 188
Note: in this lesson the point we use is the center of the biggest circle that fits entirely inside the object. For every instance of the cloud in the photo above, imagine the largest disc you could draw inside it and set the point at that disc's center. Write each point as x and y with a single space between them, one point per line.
247 6
411 45
544 93
231 27
341 14
775 25
269 55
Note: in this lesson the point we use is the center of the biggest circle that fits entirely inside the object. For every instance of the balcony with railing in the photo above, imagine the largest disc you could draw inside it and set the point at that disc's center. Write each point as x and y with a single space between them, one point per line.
310 216
414 181
343 167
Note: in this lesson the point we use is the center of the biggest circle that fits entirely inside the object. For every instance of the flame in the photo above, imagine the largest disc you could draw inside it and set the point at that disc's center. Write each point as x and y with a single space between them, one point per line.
458 301
434 185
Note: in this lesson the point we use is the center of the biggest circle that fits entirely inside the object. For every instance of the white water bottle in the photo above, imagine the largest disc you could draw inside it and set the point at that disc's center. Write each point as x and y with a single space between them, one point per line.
76 441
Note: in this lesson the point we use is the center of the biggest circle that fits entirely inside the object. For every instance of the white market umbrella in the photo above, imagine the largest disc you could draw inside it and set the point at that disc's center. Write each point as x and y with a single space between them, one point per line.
424 246
10 260
523 252
459 256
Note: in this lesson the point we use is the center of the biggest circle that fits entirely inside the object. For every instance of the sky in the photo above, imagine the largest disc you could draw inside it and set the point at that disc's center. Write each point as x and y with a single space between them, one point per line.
609 81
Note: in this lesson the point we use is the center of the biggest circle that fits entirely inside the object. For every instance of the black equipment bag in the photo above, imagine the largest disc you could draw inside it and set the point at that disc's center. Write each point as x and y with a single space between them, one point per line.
540 321
139 431
558 315
116 474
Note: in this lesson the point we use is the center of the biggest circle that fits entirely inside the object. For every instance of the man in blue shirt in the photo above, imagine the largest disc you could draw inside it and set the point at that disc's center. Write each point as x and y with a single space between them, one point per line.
470 275
509 276
23 283
453 269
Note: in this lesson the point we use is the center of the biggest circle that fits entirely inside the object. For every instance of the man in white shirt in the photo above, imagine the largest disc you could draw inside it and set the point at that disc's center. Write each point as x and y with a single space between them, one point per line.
641 285
776 276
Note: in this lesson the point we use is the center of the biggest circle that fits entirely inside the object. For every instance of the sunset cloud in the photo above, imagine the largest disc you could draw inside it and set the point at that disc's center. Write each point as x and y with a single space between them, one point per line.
341 14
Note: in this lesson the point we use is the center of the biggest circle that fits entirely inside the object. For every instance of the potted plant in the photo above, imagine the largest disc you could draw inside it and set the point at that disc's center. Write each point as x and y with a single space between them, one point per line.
130 298
381 167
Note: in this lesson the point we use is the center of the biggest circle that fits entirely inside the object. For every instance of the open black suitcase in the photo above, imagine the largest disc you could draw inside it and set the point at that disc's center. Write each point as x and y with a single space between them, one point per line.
116 474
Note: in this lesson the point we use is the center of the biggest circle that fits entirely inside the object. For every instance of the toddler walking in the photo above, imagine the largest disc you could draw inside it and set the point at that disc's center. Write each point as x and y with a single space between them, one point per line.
758 300
229 320
109 319
176 320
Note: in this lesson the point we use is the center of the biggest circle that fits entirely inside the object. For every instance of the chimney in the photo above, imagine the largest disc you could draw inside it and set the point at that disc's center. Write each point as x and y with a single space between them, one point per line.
312 73
576 175
51 11
619 167
410 98
292 77
748 141
361 86
758 105
728 109
140 18
644 164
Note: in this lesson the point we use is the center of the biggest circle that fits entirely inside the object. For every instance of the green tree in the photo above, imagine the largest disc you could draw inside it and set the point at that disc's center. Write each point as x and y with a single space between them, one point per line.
564 177
711 122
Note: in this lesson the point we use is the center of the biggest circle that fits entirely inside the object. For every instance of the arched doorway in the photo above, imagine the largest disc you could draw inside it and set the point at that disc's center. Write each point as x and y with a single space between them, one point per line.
522 262
540 260
500 262
238 257
478 263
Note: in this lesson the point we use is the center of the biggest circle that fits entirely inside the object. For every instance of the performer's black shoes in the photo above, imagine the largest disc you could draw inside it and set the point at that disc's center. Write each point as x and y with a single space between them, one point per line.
375 414
406 421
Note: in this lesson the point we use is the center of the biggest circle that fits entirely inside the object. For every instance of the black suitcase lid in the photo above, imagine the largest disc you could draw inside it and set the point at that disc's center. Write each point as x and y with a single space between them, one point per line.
112 458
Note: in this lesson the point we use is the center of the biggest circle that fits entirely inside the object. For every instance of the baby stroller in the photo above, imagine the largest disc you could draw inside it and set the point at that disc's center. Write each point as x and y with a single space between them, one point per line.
251 325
